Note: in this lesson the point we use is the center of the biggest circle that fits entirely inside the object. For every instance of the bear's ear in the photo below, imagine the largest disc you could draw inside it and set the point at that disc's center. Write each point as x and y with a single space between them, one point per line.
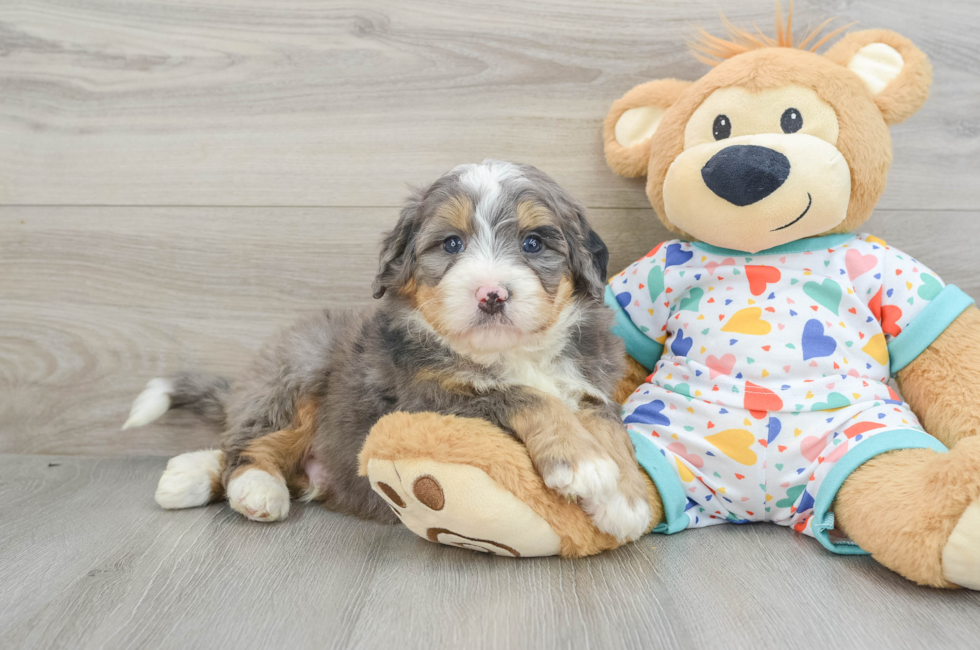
895 71
632 121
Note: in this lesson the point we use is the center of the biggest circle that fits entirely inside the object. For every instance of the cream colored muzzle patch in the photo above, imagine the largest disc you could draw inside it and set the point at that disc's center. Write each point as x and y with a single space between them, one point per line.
812 199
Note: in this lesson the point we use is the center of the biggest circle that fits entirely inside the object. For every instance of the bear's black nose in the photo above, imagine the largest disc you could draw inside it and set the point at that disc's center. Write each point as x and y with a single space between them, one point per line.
745 173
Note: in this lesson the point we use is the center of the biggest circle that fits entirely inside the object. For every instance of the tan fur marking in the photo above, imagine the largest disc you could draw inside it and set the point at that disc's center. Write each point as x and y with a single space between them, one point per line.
447 381
283 453
217 486
410 287
531 215
550 430
557 303
457 211
902 506
428 302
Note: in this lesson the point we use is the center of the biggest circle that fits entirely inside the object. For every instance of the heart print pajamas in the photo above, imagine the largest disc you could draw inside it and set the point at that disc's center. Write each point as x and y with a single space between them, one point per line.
769 370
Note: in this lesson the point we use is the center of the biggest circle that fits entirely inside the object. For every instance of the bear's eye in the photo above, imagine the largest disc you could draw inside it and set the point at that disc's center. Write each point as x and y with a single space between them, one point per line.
453 244
722 127
791 121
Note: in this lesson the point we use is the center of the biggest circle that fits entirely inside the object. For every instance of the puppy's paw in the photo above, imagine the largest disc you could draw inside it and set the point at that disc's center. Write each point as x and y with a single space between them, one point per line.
258 495
595 484
583 479
191 479
619 515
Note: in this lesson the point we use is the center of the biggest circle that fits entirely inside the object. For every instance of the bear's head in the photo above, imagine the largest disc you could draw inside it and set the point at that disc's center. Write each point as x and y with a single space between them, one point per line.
776 142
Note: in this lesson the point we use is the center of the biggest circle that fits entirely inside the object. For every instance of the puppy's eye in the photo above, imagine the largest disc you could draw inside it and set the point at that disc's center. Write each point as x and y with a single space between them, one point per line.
532 244
453 244
791 121
722 127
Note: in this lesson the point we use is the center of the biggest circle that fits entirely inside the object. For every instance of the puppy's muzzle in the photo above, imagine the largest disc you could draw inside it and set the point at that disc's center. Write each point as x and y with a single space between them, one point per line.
744 174
491 299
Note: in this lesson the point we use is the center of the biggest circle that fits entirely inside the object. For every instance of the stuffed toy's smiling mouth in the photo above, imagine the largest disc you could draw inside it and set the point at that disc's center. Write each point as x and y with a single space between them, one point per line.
809 202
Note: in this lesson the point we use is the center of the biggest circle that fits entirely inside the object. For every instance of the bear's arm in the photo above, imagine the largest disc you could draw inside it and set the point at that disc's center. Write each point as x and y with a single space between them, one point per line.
942 385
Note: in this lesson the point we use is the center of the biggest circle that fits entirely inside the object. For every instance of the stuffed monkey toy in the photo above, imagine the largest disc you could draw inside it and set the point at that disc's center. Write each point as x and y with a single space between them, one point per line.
761 339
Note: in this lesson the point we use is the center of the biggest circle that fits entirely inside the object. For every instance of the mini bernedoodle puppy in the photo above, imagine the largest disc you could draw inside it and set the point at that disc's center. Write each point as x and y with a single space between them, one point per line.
490 289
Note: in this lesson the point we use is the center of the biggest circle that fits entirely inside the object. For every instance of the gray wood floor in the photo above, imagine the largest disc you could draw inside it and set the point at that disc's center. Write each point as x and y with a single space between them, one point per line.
89 561
178 179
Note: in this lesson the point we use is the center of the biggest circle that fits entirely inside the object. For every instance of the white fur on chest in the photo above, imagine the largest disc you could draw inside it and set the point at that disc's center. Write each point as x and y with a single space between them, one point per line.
557 377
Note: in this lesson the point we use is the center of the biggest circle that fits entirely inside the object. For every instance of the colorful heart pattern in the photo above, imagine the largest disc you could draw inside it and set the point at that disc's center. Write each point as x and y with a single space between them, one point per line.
748 321
774 367
760 277
720 366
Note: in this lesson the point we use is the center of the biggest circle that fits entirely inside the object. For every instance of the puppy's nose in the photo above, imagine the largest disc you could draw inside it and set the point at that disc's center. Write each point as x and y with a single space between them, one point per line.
491 298
745 173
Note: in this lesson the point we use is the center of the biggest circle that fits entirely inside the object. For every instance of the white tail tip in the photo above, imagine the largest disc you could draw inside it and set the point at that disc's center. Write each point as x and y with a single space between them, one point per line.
153 402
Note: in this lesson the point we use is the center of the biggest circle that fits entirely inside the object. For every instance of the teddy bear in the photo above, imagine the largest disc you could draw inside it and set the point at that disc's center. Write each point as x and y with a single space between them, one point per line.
761 340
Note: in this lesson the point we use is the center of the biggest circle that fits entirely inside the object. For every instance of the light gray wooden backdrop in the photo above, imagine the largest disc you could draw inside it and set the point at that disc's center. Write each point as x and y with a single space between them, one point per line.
178 178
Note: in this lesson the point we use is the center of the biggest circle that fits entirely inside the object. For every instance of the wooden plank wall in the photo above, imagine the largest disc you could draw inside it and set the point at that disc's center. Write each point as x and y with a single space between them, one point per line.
179 178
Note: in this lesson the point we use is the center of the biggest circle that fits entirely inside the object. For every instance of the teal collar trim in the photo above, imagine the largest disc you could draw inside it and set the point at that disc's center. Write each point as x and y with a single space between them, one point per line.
807 245
668 484
823 518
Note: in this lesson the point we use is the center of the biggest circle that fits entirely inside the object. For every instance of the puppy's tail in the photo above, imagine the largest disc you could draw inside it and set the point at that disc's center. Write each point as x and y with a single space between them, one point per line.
204 395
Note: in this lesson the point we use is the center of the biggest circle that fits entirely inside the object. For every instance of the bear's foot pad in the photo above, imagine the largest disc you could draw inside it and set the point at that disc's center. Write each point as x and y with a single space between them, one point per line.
460 505
961 555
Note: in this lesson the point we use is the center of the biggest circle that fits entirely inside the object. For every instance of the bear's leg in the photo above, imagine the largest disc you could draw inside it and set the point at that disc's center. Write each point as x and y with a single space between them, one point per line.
464 482
917 512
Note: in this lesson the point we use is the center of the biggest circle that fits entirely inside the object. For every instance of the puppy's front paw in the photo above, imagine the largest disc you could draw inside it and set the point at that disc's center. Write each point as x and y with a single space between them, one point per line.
582 479
596 486
621 516
258 495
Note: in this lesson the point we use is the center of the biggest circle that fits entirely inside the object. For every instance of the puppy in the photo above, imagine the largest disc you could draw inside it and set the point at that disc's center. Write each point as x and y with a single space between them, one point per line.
490 289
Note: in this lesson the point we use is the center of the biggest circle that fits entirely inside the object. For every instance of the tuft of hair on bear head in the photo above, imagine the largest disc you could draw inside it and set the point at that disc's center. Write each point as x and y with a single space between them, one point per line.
713 50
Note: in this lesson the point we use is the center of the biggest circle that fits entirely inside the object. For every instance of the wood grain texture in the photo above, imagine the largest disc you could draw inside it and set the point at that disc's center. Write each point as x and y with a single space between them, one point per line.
105 567
96 301
254 102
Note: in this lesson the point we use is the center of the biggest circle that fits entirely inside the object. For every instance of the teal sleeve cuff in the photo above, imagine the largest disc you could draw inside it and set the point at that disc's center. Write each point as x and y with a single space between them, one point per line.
927 326
651 459
645 350
823 518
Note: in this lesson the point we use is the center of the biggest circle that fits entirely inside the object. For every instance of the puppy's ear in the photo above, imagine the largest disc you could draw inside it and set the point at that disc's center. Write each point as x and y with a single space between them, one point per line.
895 71
397 261
632 121
588 257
